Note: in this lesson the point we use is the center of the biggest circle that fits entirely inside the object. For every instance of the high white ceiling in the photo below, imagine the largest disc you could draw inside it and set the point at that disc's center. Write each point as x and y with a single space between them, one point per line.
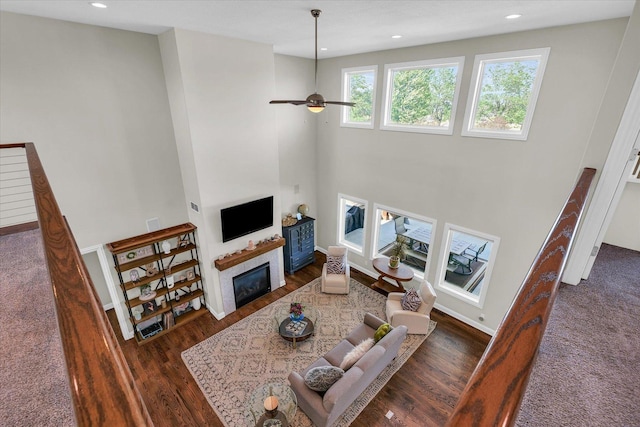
345 27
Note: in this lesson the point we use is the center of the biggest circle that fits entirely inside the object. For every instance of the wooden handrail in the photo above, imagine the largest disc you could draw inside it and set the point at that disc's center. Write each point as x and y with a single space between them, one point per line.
102 386
493 395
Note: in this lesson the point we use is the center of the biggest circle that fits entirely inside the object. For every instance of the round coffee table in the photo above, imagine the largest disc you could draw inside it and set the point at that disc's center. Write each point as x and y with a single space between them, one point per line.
292 330
400 274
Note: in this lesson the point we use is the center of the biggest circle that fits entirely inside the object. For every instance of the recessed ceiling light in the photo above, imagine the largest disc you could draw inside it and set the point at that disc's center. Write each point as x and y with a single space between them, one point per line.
98 5
514 16
397 36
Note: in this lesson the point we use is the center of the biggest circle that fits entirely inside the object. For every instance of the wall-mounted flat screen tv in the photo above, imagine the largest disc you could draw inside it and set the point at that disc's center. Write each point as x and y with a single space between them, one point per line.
240 220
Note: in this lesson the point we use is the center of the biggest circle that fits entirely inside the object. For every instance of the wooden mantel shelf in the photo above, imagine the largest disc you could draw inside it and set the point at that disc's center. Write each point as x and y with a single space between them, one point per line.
246 254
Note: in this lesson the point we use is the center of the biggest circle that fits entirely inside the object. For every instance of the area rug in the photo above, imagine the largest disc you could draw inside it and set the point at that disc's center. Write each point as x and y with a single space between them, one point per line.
231 364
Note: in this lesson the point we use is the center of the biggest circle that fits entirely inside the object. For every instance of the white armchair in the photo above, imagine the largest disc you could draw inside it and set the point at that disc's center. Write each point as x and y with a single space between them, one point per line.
417 322
336 283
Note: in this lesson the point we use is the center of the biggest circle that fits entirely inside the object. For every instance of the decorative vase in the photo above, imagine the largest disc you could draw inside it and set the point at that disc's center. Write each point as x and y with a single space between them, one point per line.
394 261
296 317
196 304
166 247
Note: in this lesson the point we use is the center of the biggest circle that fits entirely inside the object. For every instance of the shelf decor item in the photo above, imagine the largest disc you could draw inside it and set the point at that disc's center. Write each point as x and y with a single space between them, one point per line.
152 301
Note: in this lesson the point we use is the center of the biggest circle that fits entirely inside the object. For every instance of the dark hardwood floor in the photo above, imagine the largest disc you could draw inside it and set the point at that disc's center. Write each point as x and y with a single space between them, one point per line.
422 393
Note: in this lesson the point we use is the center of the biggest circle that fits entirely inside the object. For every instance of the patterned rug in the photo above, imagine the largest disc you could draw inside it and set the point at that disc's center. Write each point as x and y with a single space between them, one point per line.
231 364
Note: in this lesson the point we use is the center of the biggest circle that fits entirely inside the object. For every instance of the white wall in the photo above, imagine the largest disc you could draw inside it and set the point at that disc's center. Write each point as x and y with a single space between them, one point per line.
94 102
297 132
226 134
510 189
624 230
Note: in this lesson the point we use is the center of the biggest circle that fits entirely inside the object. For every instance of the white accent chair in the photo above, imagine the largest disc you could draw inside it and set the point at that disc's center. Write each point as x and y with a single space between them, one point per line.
417 322
336 283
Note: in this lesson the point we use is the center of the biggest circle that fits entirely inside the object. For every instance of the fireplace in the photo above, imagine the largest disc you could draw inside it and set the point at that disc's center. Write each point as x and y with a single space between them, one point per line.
252 284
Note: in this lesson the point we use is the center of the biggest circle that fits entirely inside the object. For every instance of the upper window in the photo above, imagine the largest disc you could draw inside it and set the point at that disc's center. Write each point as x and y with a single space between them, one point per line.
504 95
352 222
359 86
422 96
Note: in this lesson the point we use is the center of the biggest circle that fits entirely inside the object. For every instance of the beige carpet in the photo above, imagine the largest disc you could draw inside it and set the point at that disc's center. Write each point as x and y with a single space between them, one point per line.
231 364
35 388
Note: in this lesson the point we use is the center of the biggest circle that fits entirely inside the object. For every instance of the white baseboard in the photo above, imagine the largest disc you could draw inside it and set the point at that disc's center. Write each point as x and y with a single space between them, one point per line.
465 319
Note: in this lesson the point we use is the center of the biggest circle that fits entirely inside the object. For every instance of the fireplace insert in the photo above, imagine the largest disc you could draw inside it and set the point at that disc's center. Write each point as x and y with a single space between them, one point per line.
252 284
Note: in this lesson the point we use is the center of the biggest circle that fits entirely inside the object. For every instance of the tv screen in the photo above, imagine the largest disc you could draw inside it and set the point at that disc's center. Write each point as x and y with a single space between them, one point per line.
240 220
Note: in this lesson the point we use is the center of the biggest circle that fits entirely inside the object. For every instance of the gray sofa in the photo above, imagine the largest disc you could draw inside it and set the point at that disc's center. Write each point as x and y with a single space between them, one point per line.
325 409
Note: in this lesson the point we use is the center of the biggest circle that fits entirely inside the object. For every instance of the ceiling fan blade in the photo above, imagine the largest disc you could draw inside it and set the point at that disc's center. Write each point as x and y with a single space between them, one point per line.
348 104
282 101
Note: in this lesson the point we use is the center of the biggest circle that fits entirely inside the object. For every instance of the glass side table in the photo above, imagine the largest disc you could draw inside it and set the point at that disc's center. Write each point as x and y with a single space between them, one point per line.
292 330
282 416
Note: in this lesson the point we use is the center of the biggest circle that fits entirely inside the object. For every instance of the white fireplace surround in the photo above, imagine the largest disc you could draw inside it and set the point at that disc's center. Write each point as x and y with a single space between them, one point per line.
226 277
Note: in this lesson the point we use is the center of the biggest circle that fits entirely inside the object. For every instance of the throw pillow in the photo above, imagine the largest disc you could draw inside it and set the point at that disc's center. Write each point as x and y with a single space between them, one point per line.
336 264
322 378
411 301
356 353
381 331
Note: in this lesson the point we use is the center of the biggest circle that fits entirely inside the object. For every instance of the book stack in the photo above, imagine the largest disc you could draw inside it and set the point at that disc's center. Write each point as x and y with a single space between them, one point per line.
168 320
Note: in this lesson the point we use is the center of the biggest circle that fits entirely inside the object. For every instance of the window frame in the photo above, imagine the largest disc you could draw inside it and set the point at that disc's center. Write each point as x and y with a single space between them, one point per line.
389 69
346 96
376 229
443 261
480 61
342 198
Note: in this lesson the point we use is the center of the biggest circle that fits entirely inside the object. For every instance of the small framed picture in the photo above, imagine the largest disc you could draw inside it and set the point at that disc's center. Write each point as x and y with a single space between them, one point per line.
190 275
134 275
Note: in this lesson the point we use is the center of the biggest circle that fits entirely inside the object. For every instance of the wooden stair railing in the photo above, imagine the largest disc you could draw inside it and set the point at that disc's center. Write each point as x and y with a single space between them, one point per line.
102 386
493 395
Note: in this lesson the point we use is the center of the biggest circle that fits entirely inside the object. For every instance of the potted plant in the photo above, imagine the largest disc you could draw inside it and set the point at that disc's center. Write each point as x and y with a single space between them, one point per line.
398 250
295 312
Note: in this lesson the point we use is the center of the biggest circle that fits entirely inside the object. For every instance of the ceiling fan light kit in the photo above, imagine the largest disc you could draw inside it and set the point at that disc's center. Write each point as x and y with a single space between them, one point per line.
314 102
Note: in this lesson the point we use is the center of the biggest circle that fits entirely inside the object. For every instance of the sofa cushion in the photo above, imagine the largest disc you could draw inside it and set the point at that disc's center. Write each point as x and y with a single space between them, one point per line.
411 301
360 333
336 264
322 378
381 331
354 355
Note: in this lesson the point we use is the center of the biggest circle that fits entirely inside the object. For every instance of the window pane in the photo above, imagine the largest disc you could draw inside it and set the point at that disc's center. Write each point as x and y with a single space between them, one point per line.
505 94
466 268
423 96
352 223
416 232
506 87
359 87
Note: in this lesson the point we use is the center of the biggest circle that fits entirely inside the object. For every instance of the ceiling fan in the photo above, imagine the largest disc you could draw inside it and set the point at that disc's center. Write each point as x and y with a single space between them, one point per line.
314 102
